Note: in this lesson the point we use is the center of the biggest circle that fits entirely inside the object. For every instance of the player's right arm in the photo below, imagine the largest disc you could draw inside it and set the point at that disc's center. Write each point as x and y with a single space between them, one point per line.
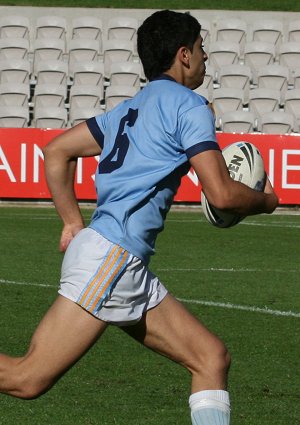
226 194
61 156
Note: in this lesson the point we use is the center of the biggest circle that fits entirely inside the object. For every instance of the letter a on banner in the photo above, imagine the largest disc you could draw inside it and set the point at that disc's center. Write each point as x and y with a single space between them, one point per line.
4 165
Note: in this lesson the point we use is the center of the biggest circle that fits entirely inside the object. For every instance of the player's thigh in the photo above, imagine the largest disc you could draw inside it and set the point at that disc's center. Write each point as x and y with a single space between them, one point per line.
171 330
65 333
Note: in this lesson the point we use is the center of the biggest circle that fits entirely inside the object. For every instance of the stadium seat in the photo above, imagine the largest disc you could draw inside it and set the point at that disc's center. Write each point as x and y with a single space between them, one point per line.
274 77
15 71
122 28
227 99
84 96
90 73
276 122
116 51
116 94
296 78
232 30
205 31
14 27
292 105
83 50
89 27
238 122
14 48
77 115
222 53
209 78
258 54
263 100
125 73
49 95
47 49
293 31
267 30
205 92
14 116
51 27
236 76
14 94
289 55
50 117
51 72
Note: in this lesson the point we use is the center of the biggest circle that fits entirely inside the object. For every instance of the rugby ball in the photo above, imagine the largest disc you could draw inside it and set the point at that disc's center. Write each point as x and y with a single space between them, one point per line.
245 164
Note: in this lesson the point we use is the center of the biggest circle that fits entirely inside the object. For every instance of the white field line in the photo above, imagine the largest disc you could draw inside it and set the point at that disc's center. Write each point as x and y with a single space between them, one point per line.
227 270
13 282
229 306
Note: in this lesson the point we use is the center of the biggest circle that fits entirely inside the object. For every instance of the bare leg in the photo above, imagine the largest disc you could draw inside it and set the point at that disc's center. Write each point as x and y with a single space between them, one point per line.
171 330
63 336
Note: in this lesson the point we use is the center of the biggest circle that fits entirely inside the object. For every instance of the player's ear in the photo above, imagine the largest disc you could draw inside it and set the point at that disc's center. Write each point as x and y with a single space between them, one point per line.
184 56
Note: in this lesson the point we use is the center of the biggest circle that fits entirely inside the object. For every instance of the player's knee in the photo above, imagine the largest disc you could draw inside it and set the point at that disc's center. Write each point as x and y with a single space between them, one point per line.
219 359
213 359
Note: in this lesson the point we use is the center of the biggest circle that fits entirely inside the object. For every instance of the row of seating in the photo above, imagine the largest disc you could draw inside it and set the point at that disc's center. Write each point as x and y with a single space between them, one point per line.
51 109
87 27
229 29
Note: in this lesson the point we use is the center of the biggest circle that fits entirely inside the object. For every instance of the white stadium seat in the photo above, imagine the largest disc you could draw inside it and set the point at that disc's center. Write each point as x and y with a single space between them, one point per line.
87 73
116 94
116 51
14 94
14 116
83 50
125 73
77 115
275 77
15 70
51 72
49 95
232 30
50 117
84 96
258 54
14 48
227 99
262 100
292 105
222 53
14 26
276 122
236 76
122 28
47 49
51 27
238 122
267 30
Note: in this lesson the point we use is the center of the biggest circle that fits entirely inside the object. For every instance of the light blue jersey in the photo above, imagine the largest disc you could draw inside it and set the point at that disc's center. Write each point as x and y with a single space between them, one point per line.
146 144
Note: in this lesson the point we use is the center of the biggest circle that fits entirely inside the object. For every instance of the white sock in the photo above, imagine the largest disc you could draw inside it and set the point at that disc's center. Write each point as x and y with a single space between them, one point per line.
211 407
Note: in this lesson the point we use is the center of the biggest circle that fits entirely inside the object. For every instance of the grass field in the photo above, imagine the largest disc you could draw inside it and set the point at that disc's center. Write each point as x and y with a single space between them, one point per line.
242 282
275 5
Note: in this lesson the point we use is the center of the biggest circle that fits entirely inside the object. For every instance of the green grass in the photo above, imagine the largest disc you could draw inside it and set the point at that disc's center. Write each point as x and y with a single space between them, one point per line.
254 265
275 5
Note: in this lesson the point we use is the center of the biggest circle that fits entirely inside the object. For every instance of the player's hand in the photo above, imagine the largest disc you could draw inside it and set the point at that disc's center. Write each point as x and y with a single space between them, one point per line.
67 234
273 199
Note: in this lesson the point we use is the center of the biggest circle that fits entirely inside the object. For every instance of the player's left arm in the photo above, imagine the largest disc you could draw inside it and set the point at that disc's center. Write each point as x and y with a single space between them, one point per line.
61 156
227 194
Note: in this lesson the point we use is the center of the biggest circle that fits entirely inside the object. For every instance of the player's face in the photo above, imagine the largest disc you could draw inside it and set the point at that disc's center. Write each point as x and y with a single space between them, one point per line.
197 64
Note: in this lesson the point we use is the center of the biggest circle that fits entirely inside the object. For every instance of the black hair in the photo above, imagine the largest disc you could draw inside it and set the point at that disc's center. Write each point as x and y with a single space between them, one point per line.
161 35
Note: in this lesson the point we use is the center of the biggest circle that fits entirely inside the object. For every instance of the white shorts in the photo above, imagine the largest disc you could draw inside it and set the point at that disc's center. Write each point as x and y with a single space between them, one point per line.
107 281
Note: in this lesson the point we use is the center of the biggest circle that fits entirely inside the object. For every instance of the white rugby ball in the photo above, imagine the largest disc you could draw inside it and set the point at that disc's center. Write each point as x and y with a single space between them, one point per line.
245 164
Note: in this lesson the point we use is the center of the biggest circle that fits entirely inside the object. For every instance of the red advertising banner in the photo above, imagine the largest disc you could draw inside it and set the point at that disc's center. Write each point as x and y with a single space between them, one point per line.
22 171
